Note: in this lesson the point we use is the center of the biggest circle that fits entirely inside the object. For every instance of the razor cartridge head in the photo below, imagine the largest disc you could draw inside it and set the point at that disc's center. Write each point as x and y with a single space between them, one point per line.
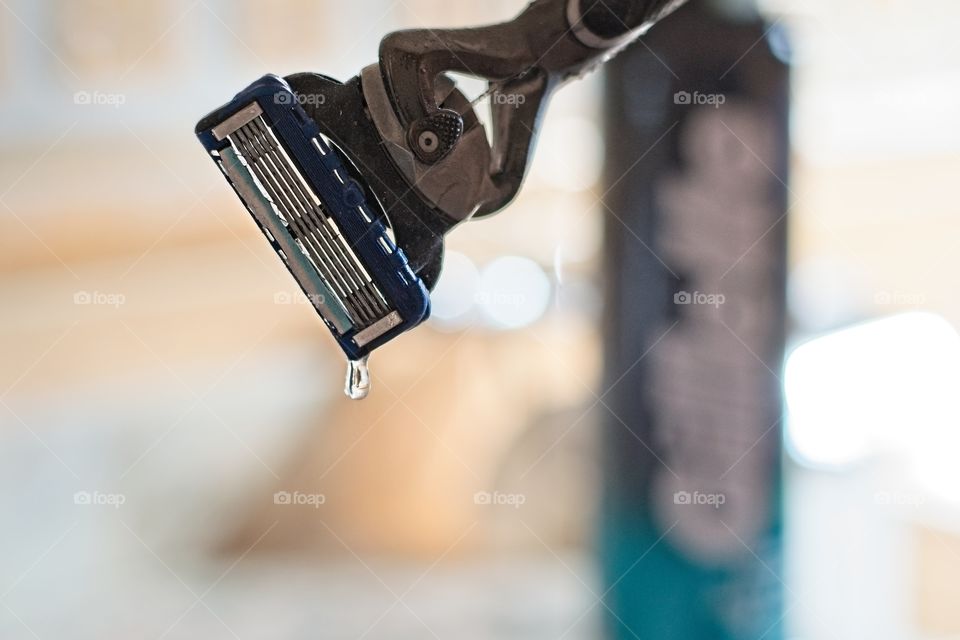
327 227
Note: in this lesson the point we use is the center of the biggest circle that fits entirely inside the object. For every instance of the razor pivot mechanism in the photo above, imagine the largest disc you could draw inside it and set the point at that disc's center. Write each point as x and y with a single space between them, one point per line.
328 230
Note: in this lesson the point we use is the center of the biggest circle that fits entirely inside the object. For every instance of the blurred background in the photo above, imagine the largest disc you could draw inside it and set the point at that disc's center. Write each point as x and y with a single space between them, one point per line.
177 459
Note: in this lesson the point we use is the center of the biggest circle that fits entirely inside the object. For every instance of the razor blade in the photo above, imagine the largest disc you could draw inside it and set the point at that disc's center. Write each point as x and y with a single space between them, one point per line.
327 228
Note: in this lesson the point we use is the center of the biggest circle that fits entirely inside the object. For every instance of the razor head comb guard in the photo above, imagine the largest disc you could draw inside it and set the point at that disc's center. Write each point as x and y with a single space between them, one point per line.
328 228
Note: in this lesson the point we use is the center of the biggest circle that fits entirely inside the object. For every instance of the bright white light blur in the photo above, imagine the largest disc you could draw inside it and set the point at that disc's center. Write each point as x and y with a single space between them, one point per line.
570 155
514 292
886 386
456 290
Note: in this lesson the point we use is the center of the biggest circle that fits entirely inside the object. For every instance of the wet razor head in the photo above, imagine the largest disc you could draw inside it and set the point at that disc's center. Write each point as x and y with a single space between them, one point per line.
322 217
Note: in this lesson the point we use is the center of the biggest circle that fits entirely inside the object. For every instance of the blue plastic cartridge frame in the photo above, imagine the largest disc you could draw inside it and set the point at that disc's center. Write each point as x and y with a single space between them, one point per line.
330 232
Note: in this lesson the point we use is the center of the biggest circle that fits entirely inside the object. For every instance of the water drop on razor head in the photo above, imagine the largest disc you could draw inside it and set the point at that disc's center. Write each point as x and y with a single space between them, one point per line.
357 385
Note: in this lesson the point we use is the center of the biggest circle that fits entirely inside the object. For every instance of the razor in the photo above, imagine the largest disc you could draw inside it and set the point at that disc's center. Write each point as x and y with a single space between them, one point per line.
355 184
